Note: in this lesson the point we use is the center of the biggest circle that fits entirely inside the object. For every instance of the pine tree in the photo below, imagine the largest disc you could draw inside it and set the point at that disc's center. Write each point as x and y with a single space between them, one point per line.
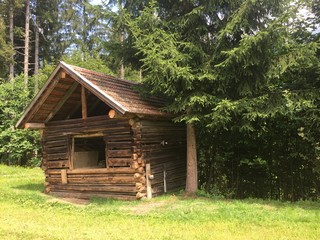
221 62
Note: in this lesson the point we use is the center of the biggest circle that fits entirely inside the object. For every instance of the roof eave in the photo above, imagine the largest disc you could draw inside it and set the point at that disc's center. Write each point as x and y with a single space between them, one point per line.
24 118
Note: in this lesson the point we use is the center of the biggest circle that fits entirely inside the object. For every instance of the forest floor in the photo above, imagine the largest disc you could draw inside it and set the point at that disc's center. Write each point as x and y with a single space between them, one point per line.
27 213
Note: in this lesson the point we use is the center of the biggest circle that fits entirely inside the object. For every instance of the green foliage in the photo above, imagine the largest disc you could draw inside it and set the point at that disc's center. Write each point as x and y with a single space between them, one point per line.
5 50
17 147
247 73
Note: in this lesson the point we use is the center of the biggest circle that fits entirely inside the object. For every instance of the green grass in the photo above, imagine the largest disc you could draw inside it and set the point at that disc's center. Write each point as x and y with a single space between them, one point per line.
27 213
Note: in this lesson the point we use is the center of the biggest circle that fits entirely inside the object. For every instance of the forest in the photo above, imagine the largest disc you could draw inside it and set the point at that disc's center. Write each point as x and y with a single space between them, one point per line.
245 74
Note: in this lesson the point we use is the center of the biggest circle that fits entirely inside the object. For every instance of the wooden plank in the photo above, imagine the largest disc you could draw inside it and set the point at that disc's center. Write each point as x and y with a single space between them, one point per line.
64 178
62 101
148 175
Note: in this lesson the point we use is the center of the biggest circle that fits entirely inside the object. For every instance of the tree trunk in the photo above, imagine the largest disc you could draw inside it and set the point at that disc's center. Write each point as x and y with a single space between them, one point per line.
11 36
84 33
36 57
26 44
192 171
121 37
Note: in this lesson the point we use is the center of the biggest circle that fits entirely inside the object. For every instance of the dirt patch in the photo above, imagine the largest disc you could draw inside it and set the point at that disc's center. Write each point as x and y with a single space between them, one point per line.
74 201
150 205
269 207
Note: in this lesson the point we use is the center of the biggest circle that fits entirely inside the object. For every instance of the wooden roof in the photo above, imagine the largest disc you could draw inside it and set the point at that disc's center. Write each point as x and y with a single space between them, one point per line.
60 97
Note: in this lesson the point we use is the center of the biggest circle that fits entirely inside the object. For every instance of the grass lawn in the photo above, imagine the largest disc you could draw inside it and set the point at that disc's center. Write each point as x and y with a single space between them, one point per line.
26 213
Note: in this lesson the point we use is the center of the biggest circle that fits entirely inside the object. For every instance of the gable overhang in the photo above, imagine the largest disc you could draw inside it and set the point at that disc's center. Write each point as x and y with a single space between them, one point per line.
52 81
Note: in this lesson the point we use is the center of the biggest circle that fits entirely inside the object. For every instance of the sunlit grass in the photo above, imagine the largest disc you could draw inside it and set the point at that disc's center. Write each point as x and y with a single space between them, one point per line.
26 213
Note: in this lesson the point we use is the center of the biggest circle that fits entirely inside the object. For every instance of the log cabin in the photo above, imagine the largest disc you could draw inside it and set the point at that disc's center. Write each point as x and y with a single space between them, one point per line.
101 138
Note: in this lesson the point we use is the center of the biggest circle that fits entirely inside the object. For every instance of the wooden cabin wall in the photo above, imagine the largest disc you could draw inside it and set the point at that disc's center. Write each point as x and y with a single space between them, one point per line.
120 180
163 145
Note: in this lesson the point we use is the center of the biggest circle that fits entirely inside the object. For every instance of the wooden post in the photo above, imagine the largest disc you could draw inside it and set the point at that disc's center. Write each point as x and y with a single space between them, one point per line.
64 178
164 178
149 188
83 102
106 152
72 153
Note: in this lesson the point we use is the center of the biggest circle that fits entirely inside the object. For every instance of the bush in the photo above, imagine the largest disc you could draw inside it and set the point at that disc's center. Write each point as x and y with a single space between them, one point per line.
17 146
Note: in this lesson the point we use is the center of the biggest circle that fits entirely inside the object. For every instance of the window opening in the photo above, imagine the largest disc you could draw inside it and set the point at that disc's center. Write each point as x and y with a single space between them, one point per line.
89 152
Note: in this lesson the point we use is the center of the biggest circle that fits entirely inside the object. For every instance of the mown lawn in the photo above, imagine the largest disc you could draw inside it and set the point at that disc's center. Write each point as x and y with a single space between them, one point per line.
26 213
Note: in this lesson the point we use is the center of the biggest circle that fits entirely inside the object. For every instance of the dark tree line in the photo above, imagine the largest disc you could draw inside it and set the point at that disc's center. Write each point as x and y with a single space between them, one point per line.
242 74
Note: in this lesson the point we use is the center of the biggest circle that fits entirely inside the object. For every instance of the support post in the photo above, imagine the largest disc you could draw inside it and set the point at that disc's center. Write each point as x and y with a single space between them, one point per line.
148 174
64 178
83 102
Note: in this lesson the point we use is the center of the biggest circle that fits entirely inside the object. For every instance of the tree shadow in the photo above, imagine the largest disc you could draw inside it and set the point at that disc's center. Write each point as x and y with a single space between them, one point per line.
277 204
37 187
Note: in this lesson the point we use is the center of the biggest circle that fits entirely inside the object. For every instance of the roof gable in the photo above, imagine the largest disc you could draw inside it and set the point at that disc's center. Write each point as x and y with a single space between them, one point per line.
61 94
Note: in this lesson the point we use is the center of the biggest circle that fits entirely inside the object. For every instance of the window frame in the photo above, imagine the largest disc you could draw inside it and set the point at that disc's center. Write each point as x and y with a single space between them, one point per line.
86 135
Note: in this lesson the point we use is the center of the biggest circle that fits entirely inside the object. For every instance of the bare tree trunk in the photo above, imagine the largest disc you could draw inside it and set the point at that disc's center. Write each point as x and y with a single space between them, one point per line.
121 37
84 34
36 57
192 171
26 44
140 74
11 36
121 61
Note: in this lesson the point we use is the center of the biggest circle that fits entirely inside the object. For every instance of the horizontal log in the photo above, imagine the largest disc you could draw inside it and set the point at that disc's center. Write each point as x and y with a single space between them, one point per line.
118 164
106 124
98 180
119 153
93 171
34 126
94 188
101 170
57 164
54 150
57 156
91 194
158 123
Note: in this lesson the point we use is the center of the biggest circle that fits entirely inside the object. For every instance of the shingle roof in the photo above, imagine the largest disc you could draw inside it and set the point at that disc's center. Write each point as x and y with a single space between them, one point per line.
123 92
118 94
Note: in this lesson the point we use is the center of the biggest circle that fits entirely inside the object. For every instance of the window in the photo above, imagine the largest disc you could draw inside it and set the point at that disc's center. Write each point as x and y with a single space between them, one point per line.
88 151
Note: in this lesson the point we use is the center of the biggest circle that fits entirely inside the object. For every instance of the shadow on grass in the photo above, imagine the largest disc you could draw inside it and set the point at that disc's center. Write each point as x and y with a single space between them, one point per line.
305 205
37 187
